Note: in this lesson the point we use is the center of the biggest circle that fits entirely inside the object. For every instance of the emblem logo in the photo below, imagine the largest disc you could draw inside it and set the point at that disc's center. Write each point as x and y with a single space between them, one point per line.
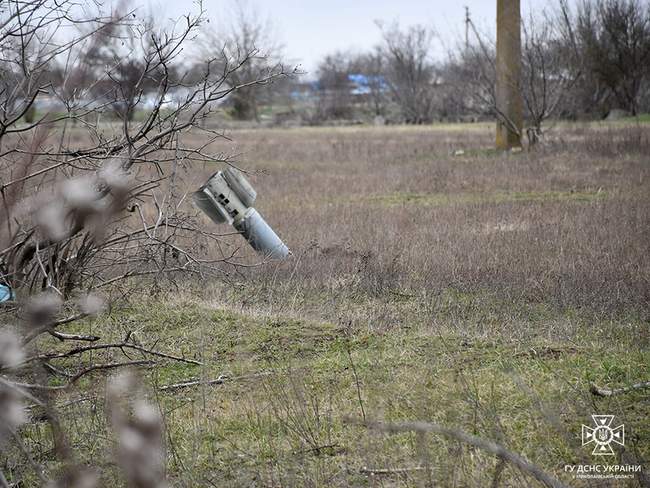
603 435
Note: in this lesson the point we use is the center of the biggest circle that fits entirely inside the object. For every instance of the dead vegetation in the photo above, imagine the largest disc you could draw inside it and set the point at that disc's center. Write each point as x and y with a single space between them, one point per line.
444 319
474 291
393 210
432 280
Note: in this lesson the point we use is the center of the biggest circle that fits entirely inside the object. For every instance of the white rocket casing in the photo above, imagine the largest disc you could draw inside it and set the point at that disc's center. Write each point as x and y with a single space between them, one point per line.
227 197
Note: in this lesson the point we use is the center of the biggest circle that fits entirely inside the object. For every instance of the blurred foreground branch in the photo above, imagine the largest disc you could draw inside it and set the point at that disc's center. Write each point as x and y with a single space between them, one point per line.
460 436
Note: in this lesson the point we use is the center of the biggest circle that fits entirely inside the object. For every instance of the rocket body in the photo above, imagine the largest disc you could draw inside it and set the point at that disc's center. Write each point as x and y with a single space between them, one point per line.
227 197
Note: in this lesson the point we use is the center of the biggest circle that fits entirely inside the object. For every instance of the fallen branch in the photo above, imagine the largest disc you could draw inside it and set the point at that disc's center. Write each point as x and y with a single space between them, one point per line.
73 337
489 446
217 381
388 472
606 392
186 384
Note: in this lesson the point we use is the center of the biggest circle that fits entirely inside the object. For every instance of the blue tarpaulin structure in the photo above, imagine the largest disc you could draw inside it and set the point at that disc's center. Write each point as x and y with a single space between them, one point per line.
6 293
364 84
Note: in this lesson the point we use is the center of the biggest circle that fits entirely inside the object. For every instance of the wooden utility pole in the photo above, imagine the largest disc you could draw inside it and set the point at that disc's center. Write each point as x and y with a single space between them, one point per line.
509 102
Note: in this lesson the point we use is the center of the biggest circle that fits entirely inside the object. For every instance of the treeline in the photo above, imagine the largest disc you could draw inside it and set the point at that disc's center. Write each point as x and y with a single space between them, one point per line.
584 61
113 68
587 60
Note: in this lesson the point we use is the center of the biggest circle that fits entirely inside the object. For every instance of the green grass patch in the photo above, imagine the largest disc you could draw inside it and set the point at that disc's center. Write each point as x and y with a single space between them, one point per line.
298 387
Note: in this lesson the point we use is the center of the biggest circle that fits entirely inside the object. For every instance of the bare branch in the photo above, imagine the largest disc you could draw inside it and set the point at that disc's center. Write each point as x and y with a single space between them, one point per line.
488 446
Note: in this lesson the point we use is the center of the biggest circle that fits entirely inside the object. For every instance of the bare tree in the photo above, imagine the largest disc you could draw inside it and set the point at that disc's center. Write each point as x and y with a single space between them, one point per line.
614 37
551 68
351 85
86 208
410 71
334 88
372 66
130 52
471 71
248 41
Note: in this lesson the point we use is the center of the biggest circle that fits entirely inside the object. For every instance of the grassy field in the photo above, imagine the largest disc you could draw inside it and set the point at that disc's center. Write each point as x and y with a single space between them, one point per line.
432 279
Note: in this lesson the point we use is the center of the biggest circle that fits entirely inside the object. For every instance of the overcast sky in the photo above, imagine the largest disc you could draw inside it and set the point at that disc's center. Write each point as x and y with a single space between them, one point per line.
310 29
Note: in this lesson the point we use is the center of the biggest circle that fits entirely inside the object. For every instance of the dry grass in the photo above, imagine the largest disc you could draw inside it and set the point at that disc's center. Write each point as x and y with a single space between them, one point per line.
393 210
482 291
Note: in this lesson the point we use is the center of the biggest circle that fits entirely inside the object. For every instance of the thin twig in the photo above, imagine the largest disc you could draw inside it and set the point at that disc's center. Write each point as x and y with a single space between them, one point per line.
82 373
36 331
120 345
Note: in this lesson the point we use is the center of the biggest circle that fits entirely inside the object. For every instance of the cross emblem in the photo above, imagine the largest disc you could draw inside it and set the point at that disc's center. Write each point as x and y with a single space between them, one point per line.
603 435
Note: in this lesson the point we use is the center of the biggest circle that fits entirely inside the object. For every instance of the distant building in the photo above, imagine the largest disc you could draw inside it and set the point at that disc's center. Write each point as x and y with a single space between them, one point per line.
366 84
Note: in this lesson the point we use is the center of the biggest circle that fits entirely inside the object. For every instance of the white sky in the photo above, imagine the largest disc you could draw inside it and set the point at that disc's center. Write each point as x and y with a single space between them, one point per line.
310 29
